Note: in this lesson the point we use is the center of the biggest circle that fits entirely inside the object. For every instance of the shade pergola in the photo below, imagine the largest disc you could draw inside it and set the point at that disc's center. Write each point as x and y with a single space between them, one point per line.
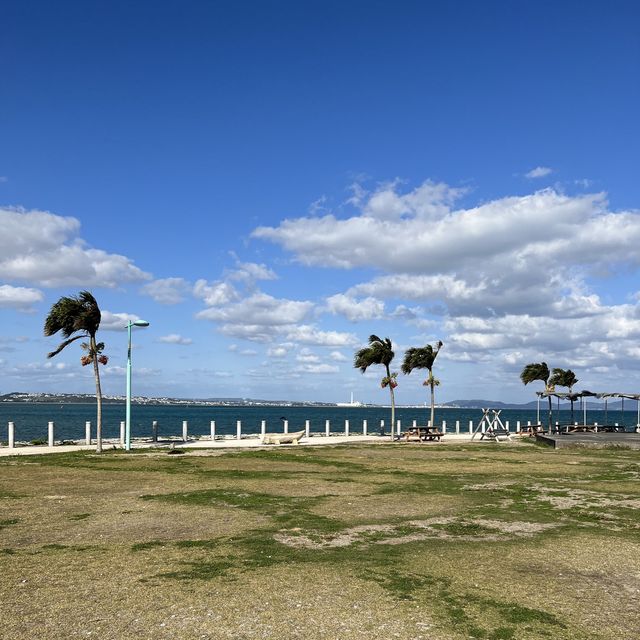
579 395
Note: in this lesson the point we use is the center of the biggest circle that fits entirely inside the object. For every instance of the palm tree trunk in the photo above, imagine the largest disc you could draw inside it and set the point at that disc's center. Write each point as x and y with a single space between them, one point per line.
433 399
96 373
393 402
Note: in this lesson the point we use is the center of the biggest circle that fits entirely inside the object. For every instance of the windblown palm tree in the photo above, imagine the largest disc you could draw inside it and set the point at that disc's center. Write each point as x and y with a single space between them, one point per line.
423 358
80 315
564 378
538 371
379 351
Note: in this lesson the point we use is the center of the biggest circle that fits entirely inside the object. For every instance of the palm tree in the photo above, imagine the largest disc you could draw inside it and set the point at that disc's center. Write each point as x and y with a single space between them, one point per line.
379 351
564 378
423 358
80 315
538 371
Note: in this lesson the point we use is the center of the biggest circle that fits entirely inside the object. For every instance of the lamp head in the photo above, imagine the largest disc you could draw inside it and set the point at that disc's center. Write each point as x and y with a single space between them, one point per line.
140 323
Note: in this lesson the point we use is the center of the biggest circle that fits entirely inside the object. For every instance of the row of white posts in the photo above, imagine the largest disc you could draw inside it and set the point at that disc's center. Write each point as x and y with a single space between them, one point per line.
458 429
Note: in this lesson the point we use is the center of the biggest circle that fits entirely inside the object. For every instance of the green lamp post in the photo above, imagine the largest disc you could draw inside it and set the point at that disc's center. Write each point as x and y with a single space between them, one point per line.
127 437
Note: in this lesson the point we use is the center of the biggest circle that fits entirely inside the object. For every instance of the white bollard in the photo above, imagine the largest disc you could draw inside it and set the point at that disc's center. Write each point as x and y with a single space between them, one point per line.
87 432
286 426
364 427
444 426
185 430
50 428
518 426
327 428
307 428
397 429
122 425
263 427
470 426
457 426
213 429
506 425
154 431
346 428
415 424
238 429
11 435
382 427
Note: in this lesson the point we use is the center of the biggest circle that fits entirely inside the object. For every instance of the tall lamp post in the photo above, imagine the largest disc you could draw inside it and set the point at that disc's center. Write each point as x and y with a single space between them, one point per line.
127 437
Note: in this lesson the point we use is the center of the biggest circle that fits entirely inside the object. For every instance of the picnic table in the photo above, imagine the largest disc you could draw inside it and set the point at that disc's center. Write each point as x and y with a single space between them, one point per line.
423 434
593 428
581 428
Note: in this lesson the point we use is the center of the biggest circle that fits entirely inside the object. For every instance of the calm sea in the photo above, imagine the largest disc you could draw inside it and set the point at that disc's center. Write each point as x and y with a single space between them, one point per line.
31 419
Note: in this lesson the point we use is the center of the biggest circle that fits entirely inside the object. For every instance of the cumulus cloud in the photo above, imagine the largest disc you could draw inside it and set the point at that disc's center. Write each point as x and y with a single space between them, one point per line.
338 356
526 254
307 356
20 298
46 250
215 293
175 338
259 309
309 334
318 368
250 272
167 290
279 351
258 317
354 309
116 321
538 172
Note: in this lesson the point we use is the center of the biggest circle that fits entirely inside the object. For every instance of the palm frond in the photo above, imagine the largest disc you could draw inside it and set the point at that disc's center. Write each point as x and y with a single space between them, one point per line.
62 345
420 357
379 351
535 371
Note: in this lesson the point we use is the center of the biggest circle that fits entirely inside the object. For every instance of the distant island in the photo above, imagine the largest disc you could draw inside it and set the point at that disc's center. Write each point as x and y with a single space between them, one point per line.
85 398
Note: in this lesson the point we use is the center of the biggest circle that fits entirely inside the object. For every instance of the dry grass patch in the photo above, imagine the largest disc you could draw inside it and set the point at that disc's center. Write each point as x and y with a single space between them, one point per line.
376 541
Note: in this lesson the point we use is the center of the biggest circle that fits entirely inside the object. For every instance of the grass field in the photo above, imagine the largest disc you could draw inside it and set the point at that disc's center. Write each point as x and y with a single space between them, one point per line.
403 541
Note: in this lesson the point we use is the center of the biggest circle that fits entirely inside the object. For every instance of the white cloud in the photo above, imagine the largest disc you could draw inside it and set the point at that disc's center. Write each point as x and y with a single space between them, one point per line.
318 368
216 293
538 172
167 290
175 338
529 254
355 310
45 249
305 355
277 352
307 334
337 356
116 321
20 298
250 272
259 309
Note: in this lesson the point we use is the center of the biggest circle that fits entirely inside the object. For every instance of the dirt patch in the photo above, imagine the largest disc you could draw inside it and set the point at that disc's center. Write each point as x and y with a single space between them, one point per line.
469 529
581 498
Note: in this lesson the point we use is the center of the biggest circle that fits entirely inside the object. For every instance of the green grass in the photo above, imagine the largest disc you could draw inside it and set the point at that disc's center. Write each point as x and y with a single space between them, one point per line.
393 534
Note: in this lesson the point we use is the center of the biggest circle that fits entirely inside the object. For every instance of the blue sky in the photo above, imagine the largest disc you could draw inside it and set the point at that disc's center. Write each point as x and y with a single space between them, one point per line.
267 183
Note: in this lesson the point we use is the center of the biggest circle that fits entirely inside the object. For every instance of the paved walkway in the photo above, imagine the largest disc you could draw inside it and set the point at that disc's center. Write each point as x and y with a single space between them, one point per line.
221 443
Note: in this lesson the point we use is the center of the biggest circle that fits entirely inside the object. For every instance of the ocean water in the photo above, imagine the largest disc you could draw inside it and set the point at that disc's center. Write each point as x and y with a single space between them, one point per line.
30 419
